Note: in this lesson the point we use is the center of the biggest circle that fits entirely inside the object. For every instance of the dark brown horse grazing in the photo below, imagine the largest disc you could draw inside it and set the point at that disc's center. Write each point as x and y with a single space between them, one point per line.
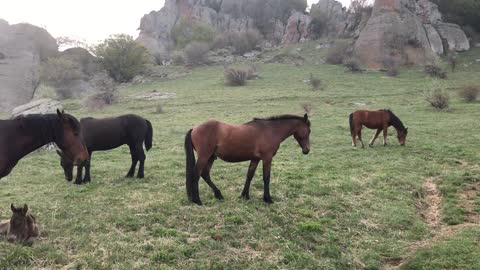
109 133
256 140
379 120
22 226
24 134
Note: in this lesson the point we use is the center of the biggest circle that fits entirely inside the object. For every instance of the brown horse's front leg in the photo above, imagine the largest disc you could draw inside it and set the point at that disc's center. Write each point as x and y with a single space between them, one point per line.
375 136
251 172
267 165
78 179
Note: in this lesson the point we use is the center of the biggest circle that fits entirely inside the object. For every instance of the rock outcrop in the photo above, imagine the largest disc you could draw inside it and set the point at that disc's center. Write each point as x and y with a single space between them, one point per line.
298 28
407 31
40 106
22 48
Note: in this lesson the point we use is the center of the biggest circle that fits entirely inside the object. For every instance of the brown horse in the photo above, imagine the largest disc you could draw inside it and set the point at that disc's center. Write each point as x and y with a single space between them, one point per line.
22 226
24 134
379 120
256 140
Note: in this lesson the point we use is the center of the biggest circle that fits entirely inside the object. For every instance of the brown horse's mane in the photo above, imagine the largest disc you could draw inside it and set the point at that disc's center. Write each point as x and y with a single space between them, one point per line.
281 117
46 126
394 120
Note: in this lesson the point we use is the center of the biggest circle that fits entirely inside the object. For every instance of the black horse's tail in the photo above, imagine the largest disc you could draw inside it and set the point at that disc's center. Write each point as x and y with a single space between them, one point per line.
350 121
149 136
190 165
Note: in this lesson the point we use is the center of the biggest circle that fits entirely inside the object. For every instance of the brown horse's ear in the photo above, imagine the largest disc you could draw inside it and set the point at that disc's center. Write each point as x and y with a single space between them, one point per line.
305 117
25 209
60 114
13 208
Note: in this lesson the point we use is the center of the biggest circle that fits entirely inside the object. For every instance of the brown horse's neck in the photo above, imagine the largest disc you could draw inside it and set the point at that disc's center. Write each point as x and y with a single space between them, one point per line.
37 132
284 128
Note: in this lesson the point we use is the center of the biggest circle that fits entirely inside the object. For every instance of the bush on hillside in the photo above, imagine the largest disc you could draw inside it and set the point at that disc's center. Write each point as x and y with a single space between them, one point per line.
241 42
337 53
122 57
186 32
59 73
438 99
196 53
235 77
315 82
469 93
435 71
391 66
352 64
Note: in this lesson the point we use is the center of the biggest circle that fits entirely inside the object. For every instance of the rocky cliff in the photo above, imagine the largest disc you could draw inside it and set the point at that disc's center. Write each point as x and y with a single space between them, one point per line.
409 32
22 48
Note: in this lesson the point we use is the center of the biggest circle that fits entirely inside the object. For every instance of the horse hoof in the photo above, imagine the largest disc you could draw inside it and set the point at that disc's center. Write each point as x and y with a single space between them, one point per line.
198 202
77 183
129 176
245 197
219 196
268 200
140 176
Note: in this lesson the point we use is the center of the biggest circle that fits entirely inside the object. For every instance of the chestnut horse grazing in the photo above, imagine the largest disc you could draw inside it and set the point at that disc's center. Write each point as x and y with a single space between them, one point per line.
24 134
110 133
379 120
256 140
22 226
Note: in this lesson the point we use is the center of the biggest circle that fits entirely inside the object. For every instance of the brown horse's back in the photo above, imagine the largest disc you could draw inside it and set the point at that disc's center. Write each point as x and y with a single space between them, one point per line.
371 119
230 142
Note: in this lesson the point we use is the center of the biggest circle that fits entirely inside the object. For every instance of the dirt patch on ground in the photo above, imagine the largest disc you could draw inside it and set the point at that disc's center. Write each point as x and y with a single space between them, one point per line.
429 206
468 201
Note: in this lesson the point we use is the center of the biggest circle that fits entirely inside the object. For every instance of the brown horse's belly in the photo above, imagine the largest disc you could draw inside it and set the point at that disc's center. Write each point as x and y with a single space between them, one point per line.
234 154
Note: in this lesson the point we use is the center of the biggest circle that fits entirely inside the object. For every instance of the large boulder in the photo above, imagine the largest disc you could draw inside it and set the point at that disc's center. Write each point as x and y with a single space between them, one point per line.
22 47
40 106
407 31
297 29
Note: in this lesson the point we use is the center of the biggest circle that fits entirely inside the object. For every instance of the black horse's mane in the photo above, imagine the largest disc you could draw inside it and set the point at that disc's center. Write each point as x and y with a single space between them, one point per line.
282 117
394 120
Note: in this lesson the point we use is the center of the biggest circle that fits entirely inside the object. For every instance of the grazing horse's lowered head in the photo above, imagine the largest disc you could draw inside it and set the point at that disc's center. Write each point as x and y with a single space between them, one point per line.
70 140
21 227
302 135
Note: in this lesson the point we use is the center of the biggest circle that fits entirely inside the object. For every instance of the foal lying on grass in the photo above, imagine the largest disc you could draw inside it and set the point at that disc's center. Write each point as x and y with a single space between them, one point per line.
21 227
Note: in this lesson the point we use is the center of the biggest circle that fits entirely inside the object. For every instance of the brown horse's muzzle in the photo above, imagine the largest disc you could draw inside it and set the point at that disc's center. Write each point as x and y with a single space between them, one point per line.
305 150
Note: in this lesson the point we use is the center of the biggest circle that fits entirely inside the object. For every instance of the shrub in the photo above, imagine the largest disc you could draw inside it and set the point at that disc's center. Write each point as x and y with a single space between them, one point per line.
315 82
469 93
186 32
435 71
253 72
235 77
243 42
438 99
159 109
105 95
178 58
196 53
352 65
319 24
122 57
59 73
391 66
337 53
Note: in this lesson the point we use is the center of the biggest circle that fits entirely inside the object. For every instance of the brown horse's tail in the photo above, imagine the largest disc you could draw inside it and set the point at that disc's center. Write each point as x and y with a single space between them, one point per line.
149 136
190 162
350 121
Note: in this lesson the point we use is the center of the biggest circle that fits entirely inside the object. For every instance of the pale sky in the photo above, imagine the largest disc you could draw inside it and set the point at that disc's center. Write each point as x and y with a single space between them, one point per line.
90 20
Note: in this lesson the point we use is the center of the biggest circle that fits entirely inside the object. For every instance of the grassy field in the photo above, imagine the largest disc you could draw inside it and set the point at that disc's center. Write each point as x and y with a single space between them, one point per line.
337 208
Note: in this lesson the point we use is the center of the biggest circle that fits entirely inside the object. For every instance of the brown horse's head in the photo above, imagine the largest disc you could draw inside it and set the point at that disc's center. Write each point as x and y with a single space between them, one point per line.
71 142
67 166
302 134
402 136
22 225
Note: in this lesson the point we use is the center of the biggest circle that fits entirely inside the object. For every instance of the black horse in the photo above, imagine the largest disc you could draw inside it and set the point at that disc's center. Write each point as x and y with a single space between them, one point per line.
109 133
24 134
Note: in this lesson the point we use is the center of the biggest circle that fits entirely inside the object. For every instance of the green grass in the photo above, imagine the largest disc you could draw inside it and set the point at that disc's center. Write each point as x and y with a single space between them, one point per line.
337 208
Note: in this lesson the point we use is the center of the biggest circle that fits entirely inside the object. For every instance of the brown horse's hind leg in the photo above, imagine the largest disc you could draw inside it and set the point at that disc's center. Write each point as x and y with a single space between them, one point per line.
375 136
251 172
199 168
385 133
359 134
208 180
267 165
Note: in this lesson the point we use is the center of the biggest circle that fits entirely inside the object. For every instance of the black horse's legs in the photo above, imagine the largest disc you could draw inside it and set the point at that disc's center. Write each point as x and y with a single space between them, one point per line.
208 180
267 165
133 154
78 179
251 172
375 136
87 179
141 157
